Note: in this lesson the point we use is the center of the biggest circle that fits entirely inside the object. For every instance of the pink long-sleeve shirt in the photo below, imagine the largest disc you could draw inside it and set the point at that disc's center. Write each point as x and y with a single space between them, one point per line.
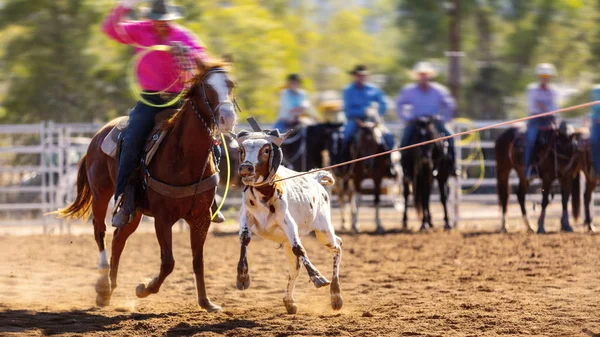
157 70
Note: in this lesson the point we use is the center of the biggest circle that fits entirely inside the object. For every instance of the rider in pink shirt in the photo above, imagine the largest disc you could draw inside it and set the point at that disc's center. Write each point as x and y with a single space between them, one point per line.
157 72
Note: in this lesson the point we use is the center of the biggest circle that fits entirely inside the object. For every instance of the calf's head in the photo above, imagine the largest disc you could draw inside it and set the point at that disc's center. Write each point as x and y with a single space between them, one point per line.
260 156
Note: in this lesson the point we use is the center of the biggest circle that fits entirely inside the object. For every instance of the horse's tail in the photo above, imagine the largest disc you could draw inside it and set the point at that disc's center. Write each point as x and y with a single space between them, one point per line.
324 178
81 207
576 197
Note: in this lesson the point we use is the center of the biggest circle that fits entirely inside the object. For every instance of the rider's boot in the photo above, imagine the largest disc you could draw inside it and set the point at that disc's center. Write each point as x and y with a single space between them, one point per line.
531 173
124 208
391 171
219 218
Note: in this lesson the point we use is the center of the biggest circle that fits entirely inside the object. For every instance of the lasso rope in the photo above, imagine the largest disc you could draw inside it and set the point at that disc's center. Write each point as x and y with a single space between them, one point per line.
228 177
475 153
135 88
460 134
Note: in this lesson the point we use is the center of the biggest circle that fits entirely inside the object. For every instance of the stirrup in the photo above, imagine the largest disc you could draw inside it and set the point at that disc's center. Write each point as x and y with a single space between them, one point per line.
120 216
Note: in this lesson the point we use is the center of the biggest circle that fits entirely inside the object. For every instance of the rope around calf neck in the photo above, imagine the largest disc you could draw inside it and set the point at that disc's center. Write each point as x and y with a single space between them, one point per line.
460 134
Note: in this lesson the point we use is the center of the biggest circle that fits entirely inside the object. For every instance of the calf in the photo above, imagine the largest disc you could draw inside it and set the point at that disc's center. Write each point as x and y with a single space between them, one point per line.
284 211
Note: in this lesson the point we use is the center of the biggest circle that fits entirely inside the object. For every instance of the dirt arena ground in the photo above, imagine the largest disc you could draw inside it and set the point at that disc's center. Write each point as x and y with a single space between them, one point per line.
432 284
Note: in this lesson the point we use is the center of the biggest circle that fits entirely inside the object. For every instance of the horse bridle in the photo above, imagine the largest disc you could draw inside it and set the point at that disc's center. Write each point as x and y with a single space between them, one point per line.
213 112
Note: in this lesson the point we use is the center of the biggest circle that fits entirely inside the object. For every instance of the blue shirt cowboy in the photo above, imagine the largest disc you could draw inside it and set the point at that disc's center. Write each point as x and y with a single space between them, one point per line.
359 96
541 97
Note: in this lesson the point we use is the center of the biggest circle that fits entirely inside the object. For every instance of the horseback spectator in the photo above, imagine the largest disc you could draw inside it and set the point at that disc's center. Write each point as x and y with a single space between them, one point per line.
541 97
425 99
359 96
293 104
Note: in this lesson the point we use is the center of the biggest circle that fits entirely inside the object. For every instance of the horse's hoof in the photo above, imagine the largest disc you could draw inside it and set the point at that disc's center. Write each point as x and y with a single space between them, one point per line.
207 305
503 230
336 301
320 281
141 291
541 230
591 228
290 306
243 282
380 231
566 229
102 301
447 227
423 229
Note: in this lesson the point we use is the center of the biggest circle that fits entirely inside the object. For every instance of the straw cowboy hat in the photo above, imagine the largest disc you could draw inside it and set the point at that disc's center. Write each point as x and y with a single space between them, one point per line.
360 69
423 68
163 10
545 69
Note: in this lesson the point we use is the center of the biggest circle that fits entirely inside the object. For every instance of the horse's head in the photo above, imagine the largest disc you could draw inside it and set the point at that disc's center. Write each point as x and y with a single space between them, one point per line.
260 156
369 138
424 131
213 88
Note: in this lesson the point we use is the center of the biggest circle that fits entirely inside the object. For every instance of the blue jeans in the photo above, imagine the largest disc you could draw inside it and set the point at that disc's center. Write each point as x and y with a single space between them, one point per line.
595 142
351 128
139 127
441 128
281 125
533 129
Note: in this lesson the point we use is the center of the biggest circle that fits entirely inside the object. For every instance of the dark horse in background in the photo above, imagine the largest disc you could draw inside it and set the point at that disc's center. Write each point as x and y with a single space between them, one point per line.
368 140
585 146
303 149
428 162
556 156
183 161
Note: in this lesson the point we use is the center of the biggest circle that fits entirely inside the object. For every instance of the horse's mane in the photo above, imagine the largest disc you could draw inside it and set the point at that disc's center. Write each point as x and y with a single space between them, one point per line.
192 85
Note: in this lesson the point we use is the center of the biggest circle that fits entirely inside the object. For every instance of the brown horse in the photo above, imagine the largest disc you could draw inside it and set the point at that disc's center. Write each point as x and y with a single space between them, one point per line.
184 158
556 157
368 141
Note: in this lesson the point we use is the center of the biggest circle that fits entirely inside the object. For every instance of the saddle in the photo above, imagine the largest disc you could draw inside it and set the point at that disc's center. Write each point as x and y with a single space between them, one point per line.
112 142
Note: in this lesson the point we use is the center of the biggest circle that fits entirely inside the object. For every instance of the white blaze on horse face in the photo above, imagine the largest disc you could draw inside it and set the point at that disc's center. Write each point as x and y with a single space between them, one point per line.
219 83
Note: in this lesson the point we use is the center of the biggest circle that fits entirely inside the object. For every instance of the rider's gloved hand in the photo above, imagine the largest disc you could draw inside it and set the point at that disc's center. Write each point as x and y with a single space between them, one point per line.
129 3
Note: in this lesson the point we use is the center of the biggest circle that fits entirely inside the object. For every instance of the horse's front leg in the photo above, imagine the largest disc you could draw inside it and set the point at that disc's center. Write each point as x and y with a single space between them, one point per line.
545 201
589 189
406 191
290 228
243 278
199 225
565 190
444 190
164 234
377 191
354 203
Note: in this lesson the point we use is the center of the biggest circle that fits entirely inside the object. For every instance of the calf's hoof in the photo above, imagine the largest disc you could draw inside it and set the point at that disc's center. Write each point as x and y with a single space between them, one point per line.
207 305
320 281
336 301
290 307
243 282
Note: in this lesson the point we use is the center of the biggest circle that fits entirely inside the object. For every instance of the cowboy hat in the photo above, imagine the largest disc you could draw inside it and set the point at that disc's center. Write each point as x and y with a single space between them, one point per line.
423 68
294 77
360 69
545 69
163 10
